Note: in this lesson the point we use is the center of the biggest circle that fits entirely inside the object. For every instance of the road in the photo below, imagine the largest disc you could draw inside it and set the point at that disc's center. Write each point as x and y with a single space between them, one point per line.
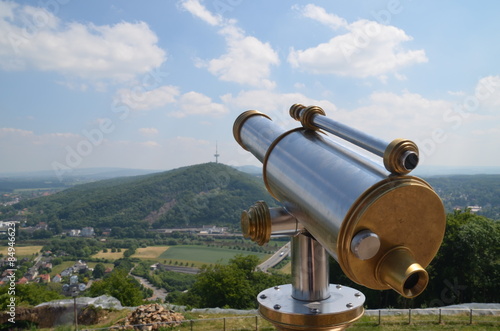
275 258
157 292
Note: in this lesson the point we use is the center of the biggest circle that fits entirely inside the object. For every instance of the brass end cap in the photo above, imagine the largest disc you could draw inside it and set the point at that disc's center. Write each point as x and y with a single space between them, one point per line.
305 115
238 123
401 156
410 220
399 270
256 223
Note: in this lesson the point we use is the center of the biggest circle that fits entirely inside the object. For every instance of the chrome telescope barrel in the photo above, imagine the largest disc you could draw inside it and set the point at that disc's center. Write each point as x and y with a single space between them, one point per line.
382 228
400 156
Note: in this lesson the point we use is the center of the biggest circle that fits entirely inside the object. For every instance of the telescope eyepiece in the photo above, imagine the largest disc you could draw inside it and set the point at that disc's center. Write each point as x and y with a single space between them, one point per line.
399 270
410 160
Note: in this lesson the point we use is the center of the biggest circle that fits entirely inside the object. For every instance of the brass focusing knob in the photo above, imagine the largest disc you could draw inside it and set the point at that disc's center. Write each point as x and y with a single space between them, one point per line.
256 223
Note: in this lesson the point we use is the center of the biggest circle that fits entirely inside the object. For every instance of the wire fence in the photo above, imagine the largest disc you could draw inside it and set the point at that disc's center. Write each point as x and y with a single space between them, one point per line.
372 317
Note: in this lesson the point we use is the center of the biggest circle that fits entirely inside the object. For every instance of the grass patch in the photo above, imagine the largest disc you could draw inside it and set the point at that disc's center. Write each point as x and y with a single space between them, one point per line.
106 265
287 269
202 321
109 255
60 267
22 251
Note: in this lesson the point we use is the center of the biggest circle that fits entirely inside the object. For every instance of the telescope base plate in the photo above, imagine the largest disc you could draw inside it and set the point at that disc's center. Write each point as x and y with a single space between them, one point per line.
343 307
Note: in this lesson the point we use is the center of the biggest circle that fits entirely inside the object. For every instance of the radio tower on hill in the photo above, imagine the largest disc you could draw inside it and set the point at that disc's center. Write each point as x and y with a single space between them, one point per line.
216 154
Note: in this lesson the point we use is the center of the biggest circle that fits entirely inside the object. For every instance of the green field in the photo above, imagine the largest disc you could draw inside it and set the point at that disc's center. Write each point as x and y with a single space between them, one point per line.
203 255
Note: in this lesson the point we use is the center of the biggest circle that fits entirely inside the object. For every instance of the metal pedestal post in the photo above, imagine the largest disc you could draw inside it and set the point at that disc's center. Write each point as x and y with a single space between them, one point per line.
310 302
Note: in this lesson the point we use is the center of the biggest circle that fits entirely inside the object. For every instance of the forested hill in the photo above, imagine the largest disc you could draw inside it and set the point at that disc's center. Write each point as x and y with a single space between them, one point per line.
186 197
462 191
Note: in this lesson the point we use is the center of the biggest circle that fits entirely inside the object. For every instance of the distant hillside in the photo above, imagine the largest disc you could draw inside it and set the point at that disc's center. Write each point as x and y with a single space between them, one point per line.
48 181
462 191
191 196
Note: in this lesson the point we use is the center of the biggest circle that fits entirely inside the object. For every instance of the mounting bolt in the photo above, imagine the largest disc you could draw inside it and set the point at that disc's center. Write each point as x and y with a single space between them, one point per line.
314 310
357 294
339 286
263 296
276 287
349 305
277 307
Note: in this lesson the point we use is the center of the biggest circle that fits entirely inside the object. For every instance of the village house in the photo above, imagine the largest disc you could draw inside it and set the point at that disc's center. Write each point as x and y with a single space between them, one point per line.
44 278
22 280
87 232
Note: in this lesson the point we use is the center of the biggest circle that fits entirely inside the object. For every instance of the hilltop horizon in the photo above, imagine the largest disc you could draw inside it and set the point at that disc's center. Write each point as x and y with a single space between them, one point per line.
110 172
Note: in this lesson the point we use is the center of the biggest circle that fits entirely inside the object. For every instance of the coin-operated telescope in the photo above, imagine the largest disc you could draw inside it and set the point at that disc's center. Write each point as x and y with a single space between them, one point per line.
381 225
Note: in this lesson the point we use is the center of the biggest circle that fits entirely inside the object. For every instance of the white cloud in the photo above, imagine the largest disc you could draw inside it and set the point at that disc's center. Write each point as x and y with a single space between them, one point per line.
36 39
487 132
12 131
367 49
487 94
389 115
198 10
149 131
319 14
150 144
140 99
247 59
194 103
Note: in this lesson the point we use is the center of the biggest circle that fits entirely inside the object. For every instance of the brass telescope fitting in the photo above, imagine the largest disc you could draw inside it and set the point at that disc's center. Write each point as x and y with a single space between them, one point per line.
408 217
398 269
256 223
401 156
305 115
260 222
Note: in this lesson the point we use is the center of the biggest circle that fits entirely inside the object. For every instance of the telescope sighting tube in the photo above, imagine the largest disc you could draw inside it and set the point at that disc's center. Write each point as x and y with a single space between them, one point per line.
382 227
400 156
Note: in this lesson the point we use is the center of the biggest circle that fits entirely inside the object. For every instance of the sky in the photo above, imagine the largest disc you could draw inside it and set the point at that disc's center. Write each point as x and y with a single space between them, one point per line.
158 84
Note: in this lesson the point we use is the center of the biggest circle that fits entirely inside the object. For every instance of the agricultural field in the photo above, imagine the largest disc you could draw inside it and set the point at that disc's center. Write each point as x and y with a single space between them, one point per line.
22 251
109 255
189 254
150 253
204 255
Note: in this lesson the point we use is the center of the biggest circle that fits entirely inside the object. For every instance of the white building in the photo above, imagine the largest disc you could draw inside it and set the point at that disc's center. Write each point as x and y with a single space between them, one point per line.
87 232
